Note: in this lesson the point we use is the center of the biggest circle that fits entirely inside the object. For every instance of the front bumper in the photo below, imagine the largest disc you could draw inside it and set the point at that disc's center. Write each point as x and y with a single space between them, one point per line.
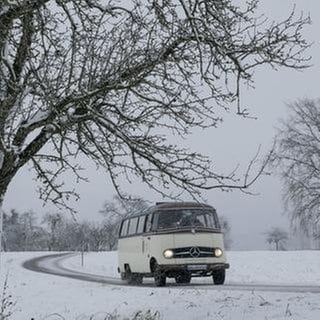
209 266
199 270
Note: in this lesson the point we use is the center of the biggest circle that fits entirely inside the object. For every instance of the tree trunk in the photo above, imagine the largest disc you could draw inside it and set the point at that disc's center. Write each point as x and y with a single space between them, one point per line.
7 171
1 223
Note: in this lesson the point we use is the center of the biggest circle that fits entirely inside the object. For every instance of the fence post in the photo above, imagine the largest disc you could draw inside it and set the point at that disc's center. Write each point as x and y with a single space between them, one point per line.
82 255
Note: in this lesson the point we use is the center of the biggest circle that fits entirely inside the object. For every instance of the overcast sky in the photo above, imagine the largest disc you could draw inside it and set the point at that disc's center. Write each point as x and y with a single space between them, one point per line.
234 142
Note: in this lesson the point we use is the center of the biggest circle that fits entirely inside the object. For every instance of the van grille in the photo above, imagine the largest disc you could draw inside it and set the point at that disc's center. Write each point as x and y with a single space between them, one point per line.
193 252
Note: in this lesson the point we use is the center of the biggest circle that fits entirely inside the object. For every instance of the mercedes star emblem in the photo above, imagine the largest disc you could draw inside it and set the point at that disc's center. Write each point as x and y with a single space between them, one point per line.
195 252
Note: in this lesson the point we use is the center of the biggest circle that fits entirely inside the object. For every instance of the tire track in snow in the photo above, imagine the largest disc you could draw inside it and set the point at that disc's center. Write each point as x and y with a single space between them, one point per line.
52 264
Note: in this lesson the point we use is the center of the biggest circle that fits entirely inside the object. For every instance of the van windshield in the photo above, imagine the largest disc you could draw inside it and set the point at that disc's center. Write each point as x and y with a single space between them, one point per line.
183 218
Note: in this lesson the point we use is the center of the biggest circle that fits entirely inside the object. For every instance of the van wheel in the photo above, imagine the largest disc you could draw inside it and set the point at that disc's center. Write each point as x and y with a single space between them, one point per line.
219 276
132 278
159 276
137 278
183 277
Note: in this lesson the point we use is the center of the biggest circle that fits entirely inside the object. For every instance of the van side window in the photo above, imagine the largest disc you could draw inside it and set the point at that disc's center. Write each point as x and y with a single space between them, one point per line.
133 226
210 221
201 221
216 220
155 221
148 222
124 228
142 219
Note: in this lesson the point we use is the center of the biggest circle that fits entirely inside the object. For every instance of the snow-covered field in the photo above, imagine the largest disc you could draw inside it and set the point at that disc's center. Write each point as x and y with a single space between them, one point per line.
41 296
258 267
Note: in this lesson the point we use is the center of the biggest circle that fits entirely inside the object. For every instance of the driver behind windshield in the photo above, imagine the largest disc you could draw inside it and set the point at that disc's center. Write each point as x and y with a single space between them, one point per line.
184 218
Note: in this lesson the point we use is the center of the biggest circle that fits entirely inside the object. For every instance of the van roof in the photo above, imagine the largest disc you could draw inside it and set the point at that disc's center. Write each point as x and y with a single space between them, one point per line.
168 205
171 205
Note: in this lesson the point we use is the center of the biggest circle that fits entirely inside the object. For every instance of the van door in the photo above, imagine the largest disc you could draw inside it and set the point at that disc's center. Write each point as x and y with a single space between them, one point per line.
139 261
146 243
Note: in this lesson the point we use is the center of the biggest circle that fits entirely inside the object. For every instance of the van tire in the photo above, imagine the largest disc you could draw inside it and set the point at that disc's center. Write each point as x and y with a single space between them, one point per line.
159 276
184 277
219 276
137 278
132 278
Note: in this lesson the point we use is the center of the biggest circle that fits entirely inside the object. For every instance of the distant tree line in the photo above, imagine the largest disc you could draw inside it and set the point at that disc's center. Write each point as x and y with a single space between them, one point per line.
25 231
55 232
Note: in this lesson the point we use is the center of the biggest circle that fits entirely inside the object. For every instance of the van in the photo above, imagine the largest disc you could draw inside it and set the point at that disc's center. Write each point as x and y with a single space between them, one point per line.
179 240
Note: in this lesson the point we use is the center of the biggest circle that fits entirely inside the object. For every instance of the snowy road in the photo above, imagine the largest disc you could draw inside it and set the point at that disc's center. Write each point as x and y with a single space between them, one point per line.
52 264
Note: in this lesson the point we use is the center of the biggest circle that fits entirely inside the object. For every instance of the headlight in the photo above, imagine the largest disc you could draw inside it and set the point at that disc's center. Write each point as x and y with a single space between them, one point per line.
168 253
218 252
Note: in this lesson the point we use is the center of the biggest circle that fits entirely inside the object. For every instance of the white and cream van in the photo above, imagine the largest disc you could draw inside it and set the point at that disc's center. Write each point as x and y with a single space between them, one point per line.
172 240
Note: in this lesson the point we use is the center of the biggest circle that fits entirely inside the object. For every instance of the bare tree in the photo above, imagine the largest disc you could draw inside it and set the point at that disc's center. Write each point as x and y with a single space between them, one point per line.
54 222
297 158
27 221
22 233
108 81
114 211
64 233
278 237
226 230
100 238
120 208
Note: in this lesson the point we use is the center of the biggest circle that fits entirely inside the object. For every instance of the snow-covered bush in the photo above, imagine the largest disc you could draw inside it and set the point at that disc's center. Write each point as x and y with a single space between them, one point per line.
6 304
139 315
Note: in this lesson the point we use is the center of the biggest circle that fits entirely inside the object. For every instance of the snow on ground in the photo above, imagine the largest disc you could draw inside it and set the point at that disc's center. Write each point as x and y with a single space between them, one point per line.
247 267
41 296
